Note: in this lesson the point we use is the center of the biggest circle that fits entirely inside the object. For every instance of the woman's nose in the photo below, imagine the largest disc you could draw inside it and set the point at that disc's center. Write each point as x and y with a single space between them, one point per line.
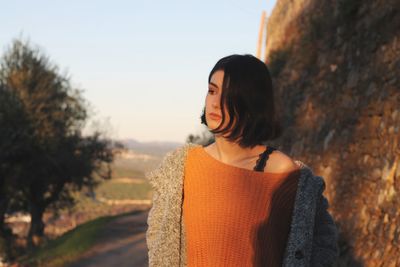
215 102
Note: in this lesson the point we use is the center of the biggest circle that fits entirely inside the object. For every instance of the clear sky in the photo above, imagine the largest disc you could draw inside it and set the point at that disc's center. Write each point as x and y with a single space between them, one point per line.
143 65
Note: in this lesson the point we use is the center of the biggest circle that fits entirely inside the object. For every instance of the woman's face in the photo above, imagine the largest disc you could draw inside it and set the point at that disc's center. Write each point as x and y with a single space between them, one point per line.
213 110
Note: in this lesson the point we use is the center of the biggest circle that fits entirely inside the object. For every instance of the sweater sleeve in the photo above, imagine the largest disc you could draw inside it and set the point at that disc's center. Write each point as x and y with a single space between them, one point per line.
158 179
325 241
153 227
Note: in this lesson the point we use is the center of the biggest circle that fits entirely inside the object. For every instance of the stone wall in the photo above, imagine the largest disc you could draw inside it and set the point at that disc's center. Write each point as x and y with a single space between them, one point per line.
336 71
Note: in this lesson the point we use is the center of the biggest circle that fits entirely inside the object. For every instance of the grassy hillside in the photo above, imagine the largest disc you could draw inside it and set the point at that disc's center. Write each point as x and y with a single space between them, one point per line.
67 247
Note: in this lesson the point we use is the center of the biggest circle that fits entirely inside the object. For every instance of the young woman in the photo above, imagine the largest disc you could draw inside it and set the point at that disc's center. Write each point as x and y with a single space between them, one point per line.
238 201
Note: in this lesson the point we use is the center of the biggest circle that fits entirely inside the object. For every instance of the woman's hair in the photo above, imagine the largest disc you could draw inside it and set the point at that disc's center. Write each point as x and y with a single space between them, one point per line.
248 95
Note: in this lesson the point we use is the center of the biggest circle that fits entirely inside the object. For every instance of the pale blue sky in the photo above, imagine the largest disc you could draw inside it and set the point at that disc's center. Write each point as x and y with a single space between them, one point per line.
143 65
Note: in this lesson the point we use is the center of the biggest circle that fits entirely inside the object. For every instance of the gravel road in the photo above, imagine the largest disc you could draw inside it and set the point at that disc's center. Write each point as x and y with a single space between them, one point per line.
122 244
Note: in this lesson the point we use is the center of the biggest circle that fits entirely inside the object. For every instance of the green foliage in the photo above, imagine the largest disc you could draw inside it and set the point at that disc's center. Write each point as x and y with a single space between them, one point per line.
53 106
47 156
277 61
15 137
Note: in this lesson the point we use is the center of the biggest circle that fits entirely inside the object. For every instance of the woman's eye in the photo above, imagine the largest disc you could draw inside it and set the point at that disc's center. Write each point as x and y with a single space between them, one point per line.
210 91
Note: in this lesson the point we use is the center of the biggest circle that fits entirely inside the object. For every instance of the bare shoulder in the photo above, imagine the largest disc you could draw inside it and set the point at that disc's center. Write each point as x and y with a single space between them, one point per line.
280 162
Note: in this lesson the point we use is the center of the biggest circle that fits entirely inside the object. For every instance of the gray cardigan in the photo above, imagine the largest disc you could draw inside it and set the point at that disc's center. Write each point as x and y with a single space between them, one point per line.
312 239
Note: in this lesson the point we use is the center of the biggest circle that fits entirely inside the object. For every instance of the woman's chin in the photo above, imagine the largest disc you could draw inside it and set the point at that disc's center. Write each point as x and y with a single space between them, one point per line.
212 126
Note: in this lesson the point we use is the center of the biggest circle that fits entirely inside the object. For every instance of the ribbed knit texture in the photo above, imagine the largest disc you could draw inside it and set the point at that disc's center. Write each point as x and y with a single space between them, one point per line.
235 216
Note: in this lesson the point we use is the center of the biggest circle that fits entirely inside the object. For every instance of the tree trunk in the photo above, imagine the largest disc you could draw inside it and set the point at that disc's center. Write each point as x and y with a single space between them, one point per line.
36 230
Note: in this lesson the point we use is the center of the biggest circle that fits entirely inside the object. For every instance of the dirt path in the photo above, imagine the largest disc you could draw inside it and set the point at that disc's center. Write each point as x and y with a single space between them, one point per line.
123 243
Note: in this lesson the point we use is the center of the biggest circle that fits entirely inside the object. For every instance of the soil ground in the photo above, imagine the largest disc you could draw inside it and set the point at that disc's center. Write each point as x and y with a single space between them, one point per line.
123 243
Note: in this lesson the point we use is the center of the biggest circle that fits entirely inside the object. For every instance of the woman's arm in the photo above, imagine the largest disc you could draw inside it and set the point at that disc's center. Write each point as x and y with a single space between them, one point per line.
325 248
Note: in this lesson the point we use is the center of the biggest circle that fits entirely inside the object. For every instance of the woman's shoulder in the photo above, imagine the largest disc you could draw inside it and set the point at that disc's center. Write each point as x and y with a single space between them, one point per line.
172 161
178 153
285 163
281 163
309 177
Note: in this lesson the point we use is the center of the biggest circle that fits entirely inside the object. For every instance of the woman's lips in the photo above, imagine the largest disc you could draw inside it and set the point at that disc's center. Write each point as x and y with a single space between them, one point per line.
214 116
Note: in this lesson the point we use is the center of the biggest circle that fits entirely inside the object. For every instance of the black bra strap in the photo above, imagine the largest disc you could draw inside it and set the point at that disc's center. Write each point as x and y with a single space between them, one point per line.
262 159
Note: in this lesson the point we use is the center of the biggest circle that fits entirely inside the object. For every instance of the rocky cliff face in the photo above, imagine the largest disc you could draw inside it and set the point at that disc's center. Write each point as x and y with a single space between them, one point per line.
336 69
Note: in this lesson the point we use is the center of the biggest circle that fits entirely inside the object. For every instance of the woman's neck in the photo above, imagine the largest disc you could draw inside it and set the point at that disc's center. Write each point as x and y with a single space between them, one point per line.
231 152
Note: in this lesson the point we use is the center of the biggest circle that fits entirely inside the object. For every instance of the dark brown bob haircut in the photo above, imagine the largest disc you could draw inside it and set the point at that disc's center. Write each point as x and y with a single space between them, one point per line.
248 95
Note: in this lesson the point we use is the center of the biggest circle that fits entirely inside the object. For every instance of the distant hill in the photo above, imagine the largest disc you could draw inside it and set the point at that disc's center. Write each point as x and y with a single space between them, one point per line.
150 148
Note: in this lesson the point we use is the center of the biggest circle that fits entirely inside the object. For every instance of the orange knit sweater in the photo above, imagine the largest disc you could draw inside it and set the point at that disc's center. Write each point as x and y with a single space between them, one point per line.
235 216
